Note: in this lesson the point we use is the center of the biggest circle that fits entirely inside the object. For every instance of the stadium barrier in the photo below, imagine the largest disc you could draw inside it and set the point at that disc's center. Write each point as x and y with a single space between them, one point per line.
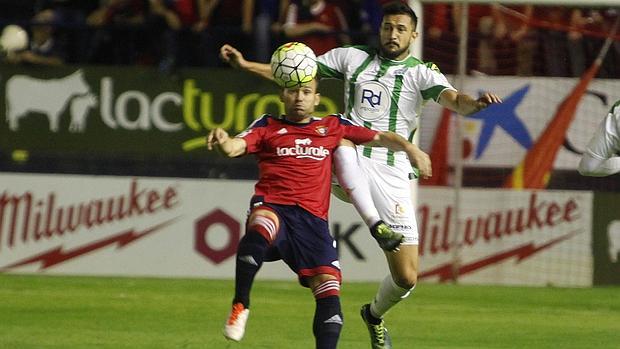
170 227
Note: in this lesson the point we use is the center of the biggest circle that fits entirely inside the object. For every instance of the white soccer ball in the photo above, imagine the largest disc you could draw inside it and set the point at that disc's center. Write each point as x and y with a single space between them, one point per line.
293 64
13 38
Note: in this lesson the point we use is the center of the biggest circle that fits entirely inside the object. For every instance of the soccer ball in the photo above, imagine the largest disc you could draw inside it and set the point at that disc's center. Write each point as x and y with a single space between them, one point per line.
293 64
13 38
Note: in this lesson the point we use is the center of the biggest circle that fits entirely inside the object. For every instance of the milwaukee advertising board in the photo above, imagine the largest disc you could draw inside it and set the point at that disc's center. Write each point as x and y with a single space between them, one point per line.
96 225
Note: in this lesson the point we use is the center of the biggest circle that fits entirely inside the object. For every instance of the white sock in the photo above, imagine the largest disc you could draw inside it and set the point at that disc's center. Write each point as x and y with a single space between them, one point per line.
352 180
388 295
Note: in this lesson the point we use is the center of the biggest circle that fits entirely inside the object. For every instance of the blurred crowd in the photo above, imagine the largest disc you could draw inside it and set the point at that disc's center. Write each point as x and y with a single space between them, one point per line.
523 40
176 33
504 40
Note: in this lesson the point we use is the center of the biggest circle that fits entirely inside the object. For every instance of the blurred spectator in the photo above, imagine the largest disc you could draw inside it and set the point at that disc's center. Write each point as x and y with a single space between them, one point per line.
370 16
437 19
119 31
68 10
226 21
483 32
513 35
269 16
563 52
504 42
318 24
575 44
555 42
172 32
43 49
17 11
440 42
71 18
601 20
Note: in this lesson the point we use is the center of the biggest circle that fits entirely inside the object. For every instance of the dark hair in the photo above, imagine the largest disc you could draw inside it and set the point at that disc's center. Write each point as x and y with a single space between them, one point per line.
400 8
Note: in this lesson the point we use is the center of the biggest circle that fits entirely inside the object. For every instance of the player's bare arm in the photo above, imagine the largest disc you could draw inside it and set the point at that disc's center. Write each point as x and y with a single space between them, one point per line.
235 58
465 104
396 142
220 140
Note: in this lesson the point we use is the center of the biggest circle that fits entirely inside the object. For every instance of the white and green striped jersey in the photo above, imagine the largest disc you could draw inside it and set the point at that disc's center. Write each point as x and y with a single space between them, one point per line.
383 94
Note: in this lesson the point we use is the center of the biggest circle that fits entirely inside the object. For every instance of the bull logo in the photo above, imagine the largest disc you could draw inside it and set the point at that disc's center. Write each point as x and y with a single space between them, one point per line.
49 97
305 141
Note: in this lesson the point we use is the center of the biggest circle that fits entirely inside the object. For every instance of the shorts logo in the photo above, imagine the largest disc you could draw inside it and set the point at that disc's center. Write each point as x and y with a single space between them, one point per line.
372 101
399 210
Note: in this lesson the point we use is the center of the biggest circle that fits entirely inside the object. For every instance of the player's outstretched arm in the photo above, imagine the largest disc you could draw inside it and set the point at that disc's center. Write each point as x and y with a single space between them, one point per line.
220 140
235 58
465 104
594 167
396 142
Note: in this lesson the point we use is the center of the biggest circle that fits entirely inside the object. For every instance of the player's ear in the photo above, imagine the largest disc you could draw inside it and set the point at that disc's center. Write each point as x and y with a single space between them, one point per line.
317 99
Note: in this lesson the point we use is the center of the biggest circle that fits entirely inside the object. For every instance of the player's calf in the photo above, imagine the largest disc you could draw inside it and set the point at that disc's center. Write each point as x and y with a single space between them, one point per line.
328 318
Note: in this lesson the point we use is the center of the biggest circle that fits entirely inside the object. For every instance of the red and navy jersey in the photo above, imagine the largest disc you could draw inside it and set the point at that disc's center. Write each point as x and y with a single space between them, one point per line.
294 160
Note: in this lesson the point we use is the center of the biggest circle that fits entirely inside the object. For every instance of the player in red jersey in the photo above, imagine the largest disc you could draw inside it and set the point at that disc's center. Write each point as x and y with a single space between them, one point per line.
288 212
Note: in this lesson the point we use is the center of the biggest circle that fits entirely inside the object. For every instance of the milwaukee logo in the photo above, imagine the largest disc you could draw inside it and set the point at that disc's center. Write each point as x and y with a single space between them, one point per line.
25 218
435 236
302 149
532 225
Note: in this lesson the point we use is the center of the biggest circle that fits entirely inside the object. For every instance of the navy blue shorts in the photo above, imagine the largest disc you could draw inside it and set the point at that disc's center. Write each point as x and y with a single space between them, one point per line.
303 242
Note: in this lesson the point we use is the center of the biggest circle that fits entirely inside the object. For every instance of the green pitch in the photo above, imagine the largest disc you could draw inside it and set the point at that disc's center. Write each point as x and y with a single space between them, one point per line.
38 312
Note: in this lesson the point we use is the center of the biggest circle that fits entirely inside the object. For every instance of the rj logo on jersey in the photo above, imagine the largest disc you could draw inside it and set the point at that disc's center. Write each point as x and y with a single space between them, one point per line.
371 101
370 97
302 149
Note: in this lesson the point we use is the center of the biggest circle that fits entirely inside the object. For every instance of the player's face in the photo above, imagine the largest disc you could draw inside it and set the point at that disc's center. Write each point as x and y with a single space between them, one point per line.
396 34
299 102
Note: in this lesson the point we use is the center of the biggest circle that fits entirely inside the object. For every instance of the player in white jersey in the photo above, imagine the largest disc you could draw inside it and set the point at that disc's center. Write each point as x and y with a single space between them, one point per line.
602 156
384 90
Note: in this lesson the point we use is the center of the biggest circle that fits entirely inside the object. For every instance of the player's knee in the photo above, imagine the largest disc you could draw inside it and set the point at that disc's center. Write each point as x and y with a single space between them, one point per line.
324 286
346 143
406 280
264 222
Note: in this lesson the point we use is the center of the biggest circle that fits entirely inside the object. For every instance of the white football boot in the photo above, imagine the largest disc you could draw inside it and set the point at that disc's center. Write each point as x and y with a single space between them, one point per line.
235 325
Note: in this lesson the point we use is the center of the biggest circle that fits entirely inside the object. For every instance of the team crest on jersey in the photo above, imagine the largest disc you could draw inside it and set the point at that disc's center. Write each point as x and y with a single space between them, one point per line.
322 130
433 67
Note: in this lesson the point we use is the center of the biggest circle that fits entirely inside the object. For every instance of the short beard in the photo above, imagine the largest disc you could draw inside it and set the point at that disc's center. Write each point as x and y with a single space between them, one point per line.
392 55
